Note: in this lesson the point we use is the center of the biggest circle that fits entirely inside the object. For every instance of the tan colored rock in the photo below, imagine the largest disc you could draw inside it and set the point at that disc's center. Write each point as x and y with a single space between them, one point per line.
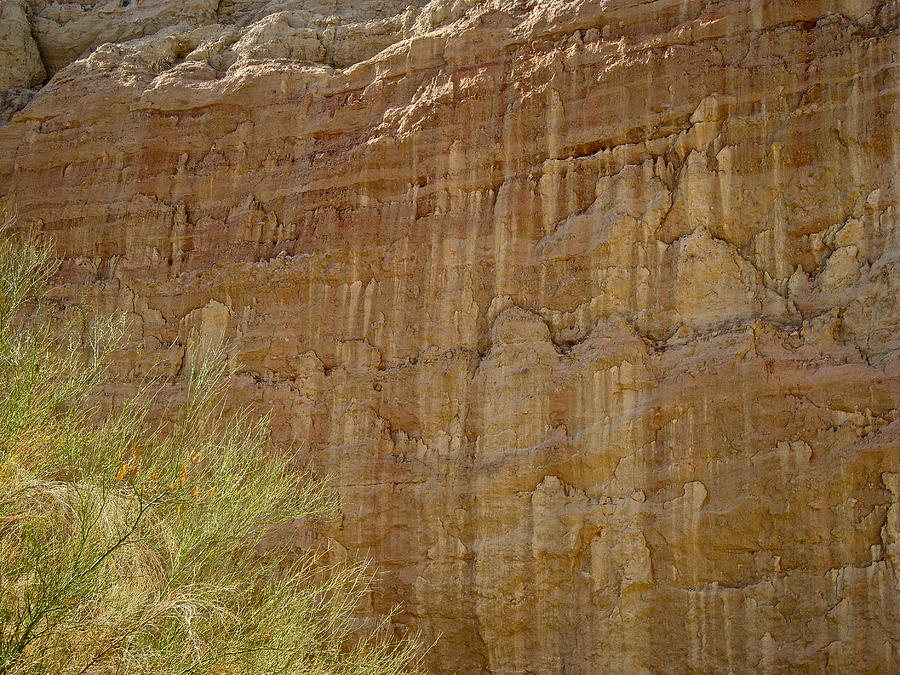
589 307
20 63
69 31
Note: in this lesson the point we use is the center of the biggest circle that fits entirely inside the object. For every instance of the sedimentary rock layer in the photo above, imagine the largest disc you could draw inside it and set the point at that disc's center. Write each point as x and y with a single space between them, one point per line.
590 308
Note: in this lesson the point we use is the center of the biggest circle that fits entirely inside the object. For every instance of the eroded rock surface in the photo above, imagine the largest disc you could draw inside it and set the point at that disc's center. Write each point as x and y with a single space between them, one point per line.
591 307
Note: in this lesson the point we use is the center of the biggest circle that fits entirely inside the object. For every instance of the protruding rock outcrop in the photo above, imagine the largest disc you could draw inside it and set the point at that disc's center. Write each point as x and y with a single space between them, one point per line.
590 307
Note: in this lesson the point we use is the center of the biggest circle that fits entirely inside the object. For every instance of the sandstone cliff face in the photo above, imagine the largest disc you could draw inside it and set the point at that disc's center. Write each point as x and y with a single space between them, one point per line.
590 307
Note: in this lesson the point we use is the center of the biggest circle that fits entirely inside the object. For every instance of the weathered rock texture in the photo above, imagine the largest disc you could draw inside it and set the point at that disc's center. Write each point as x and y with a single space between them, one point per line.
591 308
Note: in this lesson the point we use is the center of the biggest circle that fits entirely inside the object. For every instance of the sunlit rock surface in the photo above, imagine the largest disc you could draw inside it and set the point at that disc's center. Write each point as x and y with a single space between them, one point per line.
590 308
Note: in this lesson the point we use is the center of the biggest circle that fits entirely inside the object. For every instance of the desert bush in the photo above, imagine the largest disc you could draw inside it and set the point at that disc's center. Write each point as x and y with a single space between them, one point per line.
127 547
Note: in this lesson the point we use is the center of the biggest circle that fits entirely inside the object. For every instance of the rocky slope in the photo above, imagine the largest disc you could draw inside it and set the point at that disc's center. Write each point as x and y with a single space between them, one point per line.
590 307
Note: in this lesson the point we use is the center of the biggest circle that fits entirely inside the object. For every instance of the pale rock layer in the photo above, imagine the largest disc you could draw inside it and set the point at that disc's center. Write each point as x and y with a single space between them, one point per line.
21 66
590 308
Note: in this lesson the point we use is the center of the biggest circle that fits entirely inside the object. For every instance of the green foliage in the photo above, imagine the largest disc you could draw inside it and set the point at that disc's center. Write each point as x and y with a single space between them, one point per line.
129 548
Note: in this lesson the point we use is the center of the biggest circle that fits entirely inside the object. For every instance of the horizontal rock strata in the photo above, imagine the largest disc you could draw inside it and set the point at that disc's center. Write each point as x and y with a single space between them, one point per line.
590 307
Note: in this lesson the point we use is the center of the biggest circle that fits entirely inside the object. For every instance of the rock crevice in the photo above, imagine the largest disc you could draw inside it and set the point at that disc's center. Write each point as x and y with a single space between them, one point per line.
589 307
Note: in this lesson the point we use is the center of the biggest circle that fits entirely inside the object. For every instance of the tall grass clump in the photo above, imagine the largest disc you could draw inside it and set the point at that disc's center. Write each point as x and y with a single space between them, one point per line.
126 547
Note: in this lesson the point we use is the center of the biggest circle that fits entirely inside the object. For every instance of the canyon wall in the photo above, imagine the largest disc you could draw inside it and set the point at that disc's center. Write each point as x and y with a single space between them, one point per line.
590 308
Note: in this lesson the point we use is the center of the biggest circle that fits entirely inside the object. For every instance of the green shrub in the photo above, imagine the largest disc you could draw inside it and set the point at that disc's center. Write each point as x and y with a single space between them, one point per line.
129 548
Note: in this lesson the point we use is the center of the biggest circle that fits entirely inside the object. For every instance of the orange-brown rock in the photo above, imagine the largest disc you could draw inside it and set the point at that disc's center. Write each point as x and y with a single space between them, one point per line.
590 307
